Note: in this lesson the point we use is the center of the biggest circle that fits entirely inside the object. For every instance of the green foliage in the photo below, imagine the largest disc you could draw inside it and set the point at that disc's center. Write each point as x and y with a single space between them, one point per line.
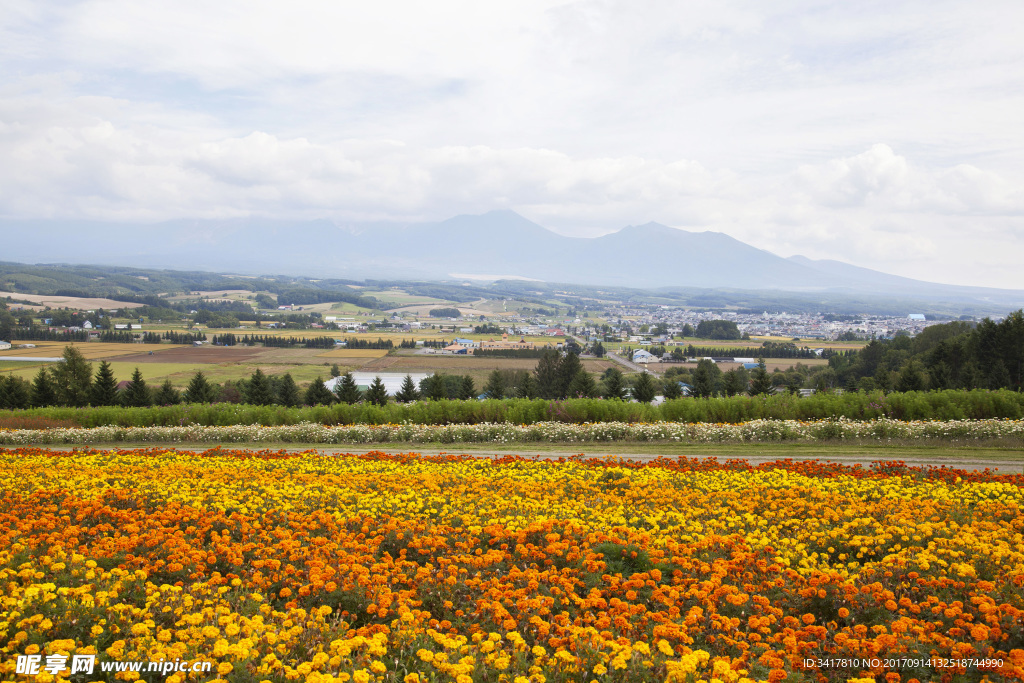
546 374
644 389
735 381
614 385
495 387
706 379
583 386
136 393
670 389
72 378
104 387
408 392
717 329
346 390
287 391
760 381
435 387
933 405
43 392
15 393
467 390
377 394
167 395
319 395
258 390
569 366
199 390
445 313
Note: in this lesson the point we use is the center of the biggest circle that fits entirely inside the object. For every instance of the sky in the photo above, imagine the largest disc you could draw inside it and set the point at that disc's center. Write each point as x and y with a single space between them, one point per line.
883 134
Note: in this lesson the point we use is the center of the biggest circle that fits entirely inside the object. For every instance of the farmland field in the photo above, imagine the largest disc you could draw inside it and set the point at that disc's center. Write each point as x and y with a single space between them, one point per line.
78 303
353 353
300 566
89 350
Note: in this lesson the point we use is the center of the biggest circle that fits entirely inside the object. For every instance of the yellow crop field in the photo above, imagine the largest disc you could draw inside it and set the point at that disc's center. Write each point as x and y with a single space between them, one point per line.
89 350
353 353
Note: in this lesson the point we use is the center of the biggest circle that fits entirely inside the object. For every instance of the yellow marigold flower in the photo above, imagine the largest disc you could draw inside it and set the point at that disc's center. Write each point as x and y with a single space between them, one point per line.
665 649
411 678
361 676
378 667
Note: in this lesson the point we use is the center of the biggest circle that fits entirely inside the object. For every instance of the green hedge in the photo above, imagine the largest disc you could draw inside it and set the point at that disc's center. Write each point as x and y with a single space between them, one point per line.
937 405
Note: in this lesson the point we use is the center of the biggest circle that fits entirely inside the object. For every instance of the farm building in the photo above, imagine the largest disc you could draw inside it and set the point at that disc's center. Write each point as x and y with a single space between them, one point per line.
392 380
506 344
4 345
641 356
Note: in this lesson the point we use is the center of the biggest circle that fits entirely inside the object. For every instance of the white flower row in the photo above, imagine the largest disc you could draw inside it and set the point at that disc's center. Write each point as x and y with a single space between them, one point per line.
882 429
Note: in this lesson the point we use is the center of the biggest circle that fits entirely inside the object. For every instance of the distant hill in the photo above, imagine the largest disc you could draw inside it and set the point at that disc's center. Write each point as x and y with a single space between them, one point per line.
495 243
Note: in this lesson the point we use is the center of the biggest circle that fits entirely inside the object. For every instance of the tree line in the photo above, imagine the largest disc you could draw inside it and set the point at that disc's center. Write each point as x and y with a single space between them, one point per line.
955 355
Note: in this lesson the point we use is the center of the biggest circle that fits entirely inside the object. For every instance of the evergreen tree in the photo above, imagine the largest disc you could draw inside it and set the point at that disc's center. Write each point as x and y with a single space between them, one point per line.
467 390
103 391
43 393
377 394
199 390
546 374
582 386
318 395
613 384
912 379
408 392
335 371
346 389
258 390
568 367
287 392
167 395
495 387
434 387
72 378
705 379
760 381
735 381
527 387
136 393
15 393
644 390
671 390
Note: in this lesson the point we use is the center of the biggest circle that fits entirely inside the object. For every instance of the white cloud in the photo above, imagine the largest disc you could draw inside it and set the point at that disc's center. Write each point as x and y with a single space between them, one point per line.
876 133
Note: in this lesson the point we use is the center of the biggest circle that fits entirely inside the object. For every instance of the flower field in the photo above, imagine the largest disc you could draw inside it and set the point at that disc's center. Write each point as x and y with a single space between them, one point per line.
755 431
304 567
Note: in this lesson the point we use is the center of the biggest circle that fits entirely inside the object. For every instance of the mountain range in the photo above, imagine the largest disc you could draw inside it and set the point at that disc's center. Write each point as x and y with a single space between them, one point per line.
492 246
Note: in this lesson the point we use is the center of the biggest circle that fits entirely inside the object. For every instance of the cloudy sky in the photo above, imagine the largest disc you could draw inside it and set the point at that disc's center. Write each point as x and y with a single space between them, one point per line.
885 134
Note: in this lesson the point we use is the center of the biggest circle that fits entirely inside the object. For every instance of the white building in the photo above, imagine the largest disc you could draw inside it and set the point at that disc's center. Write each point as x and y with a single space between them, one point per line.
392 380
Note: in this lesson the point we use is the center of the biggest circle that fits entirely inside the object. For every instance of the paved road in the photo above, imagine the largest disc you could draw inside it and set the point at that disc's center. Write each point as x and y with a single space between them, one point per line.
628 364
